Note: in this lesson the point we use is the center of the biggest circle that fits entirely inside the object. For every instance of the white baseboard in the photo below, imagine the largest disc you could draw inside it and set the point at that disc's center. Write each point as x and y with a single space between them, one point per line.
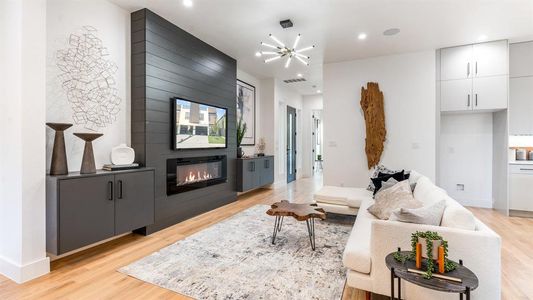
23 273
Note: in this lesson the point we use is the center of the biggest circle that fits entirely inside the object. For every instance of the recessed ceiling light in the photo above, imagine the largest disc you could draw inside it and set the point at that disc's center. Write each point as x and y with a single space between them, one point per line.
187 3
391 31
299 75
258 54
362 36
482 37
319 91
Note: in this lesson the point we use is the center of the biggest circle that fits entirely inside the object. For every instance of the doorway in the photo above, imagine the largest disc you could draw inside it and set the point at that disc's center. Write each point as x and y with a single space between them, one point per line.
316 135
291 144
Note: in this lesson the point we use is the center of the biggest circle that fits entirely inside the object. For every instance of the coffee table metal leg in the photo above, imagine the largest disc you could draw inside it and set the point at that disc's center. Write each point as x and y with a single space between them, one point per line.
280 223
311 230
276 225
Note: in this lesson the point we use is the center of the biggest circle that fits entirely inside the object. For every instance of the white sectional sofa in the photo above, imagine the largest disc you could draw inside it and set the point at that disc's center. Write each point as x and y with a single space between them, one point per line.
372 239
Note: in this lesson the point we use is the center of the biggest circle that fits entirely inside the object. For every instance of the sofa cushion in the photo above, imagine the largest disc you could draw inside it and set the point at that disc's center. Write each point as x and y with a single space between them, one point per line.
356 254
429 214
387 201
456 216
348 196
427 192
378 169
378 181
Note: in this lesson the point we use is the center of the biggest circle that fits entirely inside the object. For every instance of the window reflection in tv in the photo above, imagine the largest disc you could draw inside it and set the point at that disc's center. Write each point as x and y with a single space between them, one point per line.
198 126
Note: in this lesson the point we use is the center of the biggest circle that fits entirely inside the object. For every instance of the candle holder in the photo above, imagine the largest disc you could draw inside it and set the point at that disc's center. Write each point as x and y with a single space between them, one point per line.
87 164
59 165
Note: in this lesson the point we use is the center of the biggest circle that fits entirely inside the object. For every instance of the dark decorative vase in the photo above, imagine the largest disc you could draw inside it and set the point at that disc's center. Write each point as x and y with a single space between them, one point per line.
59 164
240 153
87 164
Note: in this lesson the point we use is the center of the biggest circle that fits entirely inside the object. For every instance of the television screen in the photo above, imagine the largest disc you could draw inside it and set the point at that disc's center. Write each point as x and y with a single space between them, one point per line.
198 126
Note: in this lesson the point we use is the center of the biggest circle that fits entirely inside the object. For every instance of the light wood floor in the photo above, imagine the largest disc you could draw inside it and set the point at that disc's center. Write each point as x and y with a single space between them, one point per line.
92 274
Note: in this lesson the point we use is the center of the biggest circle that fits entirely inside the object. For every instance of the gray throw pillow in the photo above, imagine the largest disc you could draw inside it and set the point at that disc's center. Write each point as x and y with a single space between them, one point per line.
399 195
429 215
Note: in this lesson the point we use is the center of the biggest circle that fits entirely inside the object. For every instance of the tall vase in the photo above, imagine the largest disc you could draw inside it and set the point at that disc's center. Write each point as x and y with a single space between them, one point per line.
87 164
59 164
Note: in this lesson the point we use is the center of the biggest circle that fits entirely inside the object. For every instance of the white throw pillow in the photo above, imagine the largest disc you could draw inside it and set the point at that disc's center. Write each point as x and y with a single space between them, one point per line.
427 192
429 215
413 178
456 216
397 196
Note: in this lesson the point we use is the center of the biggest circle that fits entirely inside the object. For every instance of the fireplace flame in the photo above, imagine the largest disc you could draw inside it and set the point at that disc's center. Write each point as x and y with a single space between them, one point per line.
196 177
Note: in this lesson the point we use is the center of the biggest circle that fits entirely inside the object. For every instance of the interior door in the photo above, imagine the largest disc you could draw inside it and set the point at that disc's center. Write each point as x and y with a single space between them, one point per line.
291 144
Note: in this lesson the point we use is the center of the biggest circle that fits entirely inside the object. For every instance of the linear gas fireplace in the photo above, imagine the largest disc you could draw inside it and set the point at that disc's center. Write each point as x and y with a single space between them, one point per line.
187 174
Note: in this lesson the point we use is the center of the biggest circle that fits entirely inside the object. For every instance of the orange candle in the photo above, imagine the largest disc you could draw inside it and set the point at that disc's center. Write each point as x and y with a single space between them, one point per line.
441 259
418 255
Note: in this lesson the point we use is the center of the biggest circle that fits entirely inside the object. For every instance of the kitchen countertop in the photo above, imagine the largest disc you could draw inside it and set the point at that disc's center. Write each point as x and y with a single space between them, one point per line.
521 162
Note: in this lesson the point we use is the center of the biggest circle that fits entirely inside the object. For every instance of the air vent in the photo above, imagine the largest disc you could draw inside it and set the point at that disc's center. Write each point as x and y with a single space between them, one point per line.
294 80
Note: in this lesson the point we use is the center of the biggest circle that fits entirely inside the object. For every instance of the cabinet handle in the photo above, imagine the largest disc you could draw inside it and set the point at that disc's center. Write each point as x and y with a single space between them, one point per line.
120 189
525 169
110 190
476 67
267 164
253 166
468 101
468 70
476 99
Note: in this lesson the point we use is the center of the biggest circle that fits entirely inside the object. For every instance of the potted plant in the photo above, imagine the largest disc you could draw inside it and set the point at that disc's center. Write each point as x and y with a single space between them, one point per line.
241 130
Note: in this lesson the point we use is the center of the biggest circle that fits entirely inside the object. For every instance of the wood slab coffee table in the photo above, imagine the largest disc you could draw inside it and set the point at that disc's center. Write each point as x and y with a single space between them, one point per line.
301 212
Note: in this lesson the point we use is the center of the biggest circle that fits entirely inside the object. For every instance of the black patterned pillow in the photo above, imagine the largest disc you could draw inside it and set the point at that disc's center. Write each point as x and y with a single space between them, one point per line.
379 169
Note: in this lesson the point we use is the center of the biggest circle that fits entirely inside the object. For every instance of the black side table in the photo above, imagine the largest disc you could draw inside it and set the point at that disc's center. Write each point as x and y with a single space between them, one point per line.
399 270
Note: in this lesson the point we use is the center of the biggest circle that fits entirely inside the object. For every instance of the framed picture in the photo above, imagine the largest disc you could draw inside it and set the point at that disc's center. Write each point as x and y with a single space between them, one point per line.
246 110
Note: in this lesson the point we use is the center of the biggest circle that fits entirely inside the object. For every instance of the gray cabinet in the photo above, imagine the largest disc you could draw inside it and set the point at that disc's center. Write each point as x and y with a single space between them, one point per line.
85 209
254 172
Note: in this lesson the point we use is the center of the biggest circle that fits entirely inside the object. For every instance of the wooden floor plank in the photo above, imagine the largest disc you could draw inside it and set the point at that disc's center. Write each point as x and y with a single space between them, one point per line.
91 274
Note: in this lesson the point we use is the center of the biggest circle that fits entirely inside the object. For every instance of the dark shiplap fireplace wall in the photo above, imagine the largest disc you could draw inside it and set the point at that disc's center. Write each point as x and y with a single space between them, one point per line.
169 62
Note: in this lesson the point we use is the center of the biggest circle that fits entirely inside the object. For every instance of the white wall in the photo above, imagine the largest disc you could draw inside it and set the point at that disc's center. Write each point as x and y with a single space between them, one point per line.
311 103
250 79
466 148
408 85
66 17
22 153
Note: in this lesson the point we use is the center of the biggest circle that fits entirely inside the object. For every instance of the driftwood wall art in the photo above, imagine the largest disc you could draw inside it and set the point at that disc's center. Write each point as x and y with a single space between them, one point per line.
372 105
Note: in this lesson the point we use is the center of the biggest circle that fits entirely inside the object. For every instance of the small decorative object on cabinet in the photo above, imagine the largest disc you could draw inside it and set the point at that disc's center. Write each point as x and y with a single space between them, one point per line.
373 108
122 155
241 130
261 147
461 280
87 164
59 164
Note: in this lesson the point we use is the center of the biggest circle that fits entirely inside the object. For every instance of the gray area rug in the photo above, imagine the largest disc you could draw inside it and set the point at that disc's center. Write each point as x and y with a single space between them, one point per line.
235 259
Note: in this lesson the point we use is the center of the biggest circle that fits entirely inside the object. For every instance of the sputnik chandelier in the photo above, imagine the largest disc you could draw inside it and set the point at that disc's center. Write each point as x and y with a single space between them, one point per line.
281 50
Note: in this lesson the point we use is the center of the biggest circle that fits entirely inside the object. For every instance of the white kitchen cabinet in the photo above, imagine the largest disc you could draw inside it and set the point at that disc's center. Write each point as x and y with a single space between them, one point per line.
521 105
490 59
456 62
456 95
489 93
521 188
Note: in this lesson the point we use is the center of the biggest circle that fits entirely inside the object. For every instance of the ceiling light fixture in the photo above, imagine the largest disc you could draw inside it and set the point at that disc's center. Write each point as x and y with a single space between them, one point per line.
187 3
299 75
362 36
258 54
318 91
391 31
283 51
482 37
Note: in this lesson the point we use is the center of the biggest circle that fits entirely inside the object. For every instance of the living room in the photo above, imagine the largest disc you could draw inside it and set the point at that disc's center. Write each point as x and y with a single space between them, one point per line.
196 149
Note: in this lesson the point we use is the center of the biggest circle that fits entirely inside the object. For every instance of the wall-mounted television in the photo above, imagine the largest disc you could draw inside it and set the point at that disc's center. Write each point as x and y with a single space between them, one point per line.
198 126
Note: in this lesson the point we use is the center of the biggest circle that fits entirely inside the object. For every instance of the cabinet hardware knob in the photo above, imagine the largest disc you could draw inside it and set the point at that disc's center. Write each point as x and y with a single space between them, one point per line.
110 190
120 189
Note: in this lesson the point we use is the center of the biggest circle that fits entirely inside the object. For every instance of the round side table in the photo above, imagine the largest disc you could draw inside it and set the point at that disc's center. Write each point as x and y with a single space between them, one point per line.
469 281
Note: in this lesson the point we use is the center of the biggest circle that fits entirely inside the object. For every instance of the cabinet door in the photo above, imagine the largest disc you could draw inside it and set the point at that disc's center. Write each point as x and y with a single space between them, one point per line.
86 211
456 95
490 93
134 201
248 178
521 105
491 59
258 170
456 63
521 192
521 59
267 174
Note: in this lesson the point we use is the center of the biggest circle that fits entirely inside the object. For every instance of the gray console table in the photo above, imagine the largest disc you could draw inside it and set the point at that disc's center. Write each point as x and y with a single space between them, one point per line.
254 172
82 209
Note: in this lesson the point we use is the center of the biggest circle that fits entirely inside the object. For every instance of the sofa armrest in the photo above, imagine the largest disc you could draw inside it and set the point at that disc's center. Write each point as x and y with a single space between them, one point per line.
480 251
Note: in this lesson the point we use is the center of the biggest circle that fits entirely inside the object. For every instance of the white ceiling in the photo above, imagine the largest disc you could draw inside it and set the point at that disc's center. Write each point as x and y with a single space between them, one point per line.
236 27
